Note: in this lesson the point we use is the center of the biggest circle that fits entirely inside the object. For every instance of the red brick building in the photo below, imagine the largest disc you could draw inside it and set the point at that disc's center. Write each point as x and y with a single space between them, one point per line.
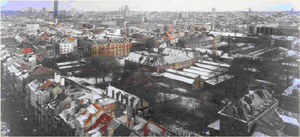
112 47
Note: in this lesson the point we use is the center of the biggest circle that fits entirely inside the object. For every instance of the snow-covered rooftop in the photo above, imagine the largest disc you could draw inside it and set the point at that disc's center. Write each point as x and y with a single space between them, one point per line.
179 78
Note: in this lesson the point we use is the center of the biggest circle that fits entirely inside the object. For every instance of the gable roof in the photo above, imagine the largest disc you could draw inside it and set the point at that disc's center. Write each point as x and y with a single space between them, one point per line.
70 38
104 119
47 84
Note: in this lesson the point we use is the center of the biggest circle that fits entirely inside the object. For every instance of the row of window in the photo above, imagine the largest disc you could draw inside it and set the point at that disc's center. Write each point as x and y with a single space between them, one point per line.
64 46
117 46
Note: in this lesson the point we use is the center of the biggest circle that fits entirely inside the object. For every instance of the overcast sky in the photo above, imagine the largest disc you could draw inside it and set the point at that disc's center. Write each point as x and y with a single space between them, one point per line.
158 5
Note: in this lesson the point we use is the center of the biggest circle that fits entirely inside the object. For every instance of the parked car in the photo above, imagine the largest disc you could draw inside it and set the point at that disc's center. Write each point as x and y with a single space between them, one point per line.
5 129
34 132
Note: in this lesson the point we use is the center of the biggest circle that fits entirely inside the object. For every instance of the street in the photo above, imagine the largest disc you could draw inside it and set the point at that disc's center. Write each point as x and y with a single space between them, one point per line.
20 122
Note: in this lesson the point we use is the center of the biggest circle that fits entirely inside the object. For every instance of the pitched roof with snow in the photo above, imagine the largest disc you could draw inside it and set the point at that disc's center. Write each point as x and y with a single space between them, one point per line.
168 56
214 63
178 78
208 67
186 74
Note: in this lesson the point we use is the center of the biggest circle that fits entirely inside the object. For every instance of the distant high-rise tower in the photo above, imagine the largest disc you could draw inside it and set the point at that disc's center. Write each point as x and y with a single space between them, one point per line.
213 10
30 9
180 15
44 10
55 8
126 10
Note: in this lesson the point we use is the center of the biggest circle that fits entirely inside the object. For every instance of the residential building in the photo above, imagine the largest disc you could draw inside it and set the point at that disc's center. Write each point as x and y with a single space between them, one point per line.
68 45
115 47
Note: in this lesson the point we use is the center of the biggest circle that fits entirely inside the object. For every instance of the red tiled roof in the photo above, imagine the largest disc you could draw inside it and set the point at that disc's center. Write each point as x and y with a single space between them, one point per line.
70 38
84 112
47 84
103 119
41 70
28 50
103 129
146 130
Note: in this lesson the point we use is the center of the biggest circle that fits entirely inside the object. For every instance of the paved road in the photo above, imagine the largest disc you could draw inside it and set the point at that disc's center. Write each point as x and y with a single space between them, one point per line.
11 112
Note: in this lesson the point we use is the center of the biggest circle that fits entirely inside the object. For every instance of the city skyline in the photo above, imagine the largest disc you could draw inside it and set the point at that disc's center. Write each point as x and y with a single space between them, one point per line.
150 68
165 5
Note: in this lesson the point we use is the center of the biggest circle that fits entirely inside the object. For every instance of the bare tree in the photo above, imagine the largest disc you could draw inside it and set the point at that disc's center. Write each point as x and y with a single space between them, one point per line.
102 66
242 70
139 82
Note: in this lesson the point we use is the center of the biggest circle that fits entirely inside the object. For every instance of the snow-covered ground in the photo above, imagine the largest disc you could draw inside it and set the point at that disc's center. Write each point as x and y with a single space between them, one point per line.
168 95
179 130
189 103
90 80
181 90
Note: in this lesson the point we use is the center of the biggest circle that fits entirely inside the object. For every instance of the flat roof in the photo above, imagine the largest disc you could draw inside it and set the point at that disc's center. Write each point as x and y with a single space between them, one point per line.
66 63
